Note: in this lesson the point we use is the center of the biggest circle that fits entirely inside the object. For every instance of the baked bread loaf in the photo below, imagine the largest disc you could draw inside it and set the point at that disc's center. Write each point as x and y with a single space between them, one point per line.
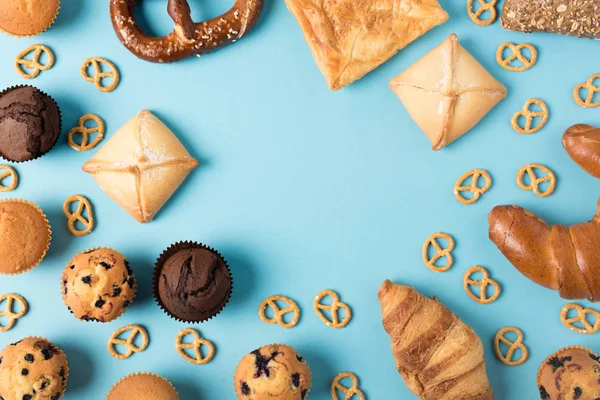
439 357
561 258
582 143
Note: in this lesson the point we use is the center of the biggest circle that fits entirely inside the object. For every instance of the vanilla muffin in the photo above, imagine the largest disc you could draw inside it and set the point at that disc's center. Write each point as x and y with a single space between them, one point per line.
143 386
273 372
27 18
570 373
33 369
98 285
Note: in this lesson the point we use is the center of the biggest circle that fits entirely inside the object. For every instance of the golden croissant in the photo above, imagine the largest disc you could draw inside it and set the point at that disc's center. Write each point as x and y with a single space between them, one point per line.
439 357
561 258
582 143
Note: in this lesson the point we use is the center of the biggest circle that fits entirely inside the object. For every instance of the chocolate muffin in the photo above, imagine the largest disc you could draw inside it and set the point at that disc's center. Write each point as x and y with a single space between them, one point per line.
29 123
192 282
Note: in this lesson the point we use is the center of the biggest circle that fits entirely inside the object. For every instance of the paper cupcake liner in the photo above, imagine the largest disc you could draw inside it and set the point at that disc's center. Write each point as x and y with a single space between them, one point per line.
13 200
8 89
172 249
135 285
575 347
37 33
123 379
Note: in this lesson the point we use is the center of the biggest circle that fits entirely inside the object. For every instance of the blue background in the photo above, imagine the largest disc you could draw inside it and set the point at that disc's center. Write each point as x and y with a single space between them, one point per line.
301 189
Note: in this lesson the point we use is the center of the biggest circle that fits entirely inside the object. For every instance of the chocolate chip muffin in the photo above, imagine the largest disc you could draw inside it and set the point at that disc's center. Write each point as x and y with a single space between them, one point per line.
273 372
192 282
29 123
33 369
98 285
570 373
143 386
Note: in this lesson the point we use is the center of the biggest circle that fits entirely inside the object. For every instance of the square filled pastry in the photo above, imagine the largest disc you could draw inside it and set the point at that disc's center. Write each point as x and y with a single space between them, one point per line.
447 92
141 166
349 38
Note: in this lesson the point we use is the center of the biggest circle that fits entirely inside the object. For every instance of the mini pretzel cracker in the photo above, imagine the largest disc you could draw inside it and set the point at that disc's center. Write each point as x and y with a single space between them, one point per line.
8 313
279 313
473 188
580 317
484 6
512 346
516 54
336 304
353 390
35 65
73 217
198 342
6 171
439 252
96 63
591 91
529 117
128 343
86 132
536 182
483 283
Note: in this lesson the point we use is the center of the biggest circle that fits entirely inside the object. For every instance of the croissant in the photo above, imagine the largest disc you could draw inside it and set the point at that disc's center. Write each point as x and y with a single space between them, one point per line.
561 258
439 357
582 143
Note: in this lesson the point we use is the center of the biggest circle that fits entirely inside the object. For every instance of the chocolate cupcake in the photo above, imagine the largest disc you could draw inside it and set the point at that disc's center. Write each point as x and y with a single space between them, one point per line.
192 282
142 385
30 123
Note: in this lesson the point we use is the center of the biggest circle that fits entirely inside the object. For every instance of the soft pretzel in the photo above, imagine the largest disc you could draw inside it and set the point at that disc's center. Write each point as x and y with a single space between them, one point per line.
188 37
582 143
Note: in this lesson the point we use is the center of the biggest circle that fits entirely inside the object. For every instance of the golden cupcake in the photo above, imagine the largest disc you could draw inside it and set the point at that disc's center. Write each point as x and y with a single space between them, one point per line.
27 18
142 386
24 236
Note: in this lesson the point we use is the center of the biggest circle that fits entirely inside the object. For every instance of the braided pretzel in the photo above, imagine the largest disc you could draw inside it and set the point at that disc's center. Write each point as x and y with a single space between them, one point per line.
473 188
8 313
34 64
536 182
198 342
85 133
187 38
128 343
279 312
474 15
516 54
483 283
353 390
591 91
512 346
439 252
8 172
99 74
529 117
580 317
73 217
335 306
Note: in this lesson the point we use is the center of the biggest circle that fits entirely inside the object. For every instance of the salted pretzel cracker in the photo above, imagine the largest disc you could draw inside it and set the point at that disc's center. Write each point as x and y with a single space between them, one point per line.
99 74
348 392
580 317
129 344
516 54
34 64
86 132
6 171
529 116
188 38
335 306
512 346
536 181
8 313
484 6
72 217
198 342
439 252
473 187
592 89
482 283
279 313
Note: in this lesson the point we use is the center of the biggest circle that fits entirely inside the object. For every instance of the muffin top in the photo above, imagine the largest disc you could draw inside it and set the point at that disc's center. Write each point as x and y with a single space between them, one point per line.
24 236
143 387
29 123
194 284
33 369
26 18
98 285
570 373
273 372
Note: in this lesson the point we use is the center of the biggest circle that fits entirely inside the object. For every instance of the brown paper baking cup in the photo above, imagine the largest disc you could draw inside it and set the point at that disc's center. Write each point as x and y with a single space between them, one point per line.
135 285
567 348
8 89
172 249
37 33
123 379
49 231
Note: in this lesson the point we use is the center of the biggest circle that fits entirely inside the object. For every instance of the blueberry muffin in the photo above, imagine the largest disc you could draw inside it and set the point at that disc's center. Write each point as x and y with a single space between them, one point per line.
143 386
572 373
273 372
33 369
98 285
